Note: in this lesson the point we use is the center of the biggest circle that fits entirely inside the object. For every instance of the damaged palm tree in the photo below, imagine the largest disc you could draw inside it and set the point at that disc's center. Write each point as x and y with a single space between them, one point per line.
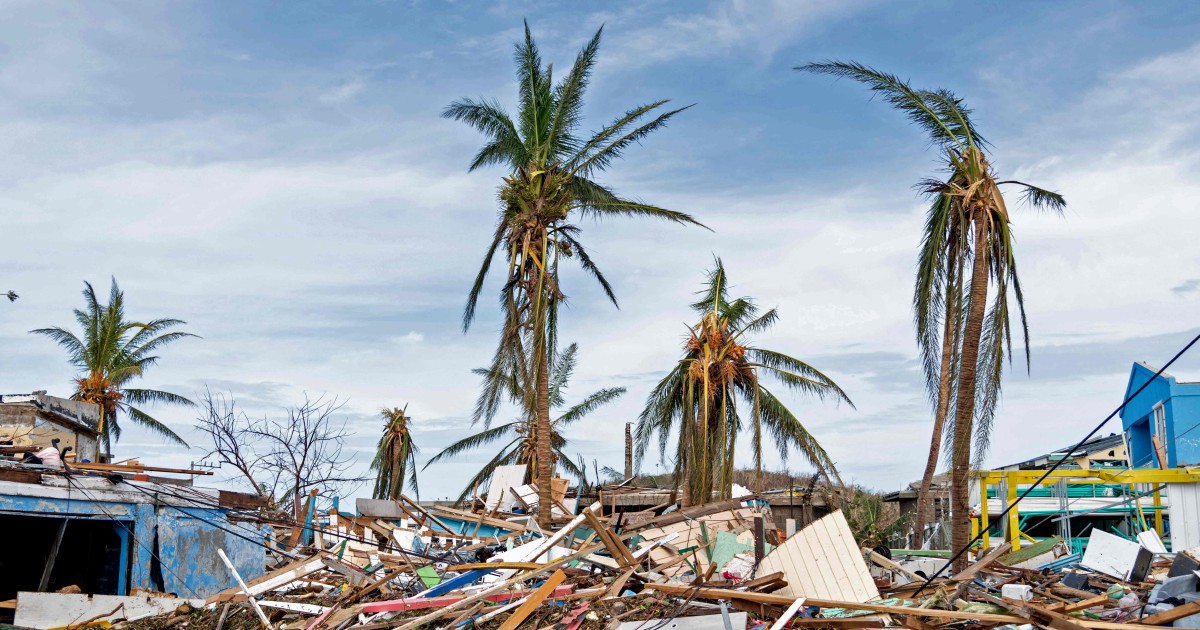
551 179
395 457
521 448
967 245
699 398
112 353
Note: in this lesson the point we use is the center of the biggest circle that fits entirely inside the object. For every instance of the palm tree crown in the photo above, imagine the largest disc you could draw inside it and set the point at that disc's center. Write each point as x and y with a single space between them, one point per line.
518 434
552 168
963 334
112 353
698 399
395 456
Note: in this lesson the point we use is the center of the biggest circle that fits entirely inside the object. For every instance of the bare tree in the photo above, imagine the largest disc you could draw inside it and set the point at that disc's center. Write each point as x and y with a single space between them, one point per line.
233 442
305 450
286 456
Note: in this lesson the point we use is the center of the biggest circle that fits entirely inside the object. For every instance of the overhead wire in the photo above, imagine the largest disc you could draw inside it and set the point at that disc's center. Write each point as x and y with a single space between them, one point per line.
129 529
1058 463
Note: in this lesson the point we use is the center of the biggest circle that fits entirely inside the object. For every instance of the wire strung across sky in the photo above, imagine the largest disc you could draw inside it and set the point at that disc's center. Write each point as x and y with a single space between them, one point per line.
1089 436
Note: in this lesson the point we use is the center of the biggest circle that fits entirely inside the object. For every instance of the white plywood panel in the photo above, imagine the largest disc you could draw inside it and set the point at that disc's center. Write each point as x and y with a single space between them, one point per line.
503 478
822 561
1184 502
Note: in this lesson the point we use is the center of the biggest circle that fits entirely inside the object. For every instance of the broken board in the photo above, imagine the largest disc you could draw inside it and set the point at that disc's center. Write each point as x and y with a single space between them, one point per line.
822 561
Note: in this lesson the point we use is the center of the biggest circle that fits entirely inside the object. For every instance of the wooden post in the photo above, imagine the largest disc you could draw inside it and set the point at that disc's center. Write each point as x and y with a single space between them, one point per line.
759 549
49 568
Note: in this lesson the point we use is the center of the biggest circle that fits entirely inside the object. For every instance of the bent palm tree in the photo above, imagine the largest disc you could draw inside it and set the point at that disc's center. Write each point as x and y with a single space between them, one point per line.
521 446
112 353
551 182
395 456
699 397
962 338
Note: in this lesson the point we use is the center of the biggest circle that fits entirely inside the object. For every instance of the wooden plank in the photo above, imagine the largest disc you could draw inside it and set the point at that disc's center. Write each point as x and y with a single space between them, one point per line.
527 566
282 576
240 500
138 468
988 558
534 600
420 603
779 600
1167 616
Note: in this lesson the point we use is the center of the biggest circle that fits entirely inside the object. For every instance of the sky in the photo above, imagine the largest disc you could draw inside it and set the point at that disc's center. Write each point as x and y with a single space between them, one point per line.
278 175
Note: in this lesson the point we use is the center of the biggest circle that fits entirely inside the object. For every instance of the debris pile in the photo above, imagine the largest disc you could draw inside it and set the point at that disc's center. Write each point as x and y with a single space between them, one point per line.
720 565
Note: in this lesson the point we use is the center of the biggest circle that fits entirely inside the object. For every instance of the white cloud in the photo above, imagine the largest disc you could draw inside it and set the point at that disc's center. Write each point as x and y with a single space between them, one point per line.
758 27
412 338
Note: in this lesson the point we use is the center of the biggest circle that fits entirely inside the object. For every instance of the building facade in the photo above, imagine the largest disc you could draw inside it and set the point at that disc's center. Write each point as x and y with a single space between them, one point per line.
1162 420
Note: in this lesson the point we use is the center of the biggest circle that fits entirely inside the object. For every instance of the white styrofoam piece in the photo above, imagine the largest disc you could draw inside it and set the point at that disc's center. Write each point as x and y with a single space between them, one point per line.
58 610
1150 540
1019 592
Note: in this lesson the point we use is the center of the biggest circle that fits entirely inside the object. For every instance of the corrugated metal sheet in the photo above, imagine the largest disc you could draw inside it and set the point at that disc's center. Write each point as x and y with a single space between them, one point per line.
1184 502
823 561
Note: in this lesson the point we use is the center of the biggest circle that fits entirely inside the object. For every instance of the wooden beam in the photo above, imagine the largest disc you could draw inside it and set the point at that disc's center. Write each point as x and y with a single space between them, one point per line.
780 600
534 600
1167 616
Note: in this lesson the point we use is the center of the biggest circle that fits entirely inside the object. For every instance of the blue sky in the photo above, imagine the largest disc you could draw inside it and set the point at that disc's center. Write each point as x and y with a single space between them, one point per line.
277 175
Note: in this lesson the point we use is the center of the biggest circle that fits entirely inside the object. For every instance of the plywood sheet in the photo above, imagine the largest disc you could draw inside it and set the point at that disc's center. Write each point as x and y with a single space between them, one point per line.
503 478
822 561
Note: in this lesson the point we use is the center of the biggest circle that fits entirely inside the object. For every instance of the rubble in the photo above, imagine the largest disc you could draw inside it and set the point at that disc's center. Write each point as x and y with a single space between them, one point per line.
403 564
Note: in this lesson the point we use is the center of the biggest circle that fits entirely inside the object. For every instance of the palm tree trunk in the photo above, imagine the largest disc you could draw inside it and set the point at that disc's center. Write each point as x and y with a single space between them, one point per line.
628 450
965 405
542 439
939 419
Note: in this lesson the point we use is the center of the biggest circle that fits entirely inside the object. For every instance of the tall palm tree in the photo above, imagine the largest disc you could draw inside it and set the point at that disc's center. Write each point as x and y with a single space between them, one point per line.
519 434
111 354
967 246
551 182
395 456
698 399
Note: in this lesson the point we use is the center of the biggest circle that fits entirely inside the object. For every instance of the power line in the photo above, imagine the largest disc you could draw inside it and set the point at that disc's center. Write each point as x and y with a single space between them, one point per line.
1092 433
128 528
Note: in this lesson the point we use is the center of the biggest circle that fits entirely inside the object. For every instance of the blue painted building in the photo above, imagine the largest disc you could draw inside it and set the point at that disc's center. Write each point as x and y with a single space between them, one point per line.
1166 409
115 536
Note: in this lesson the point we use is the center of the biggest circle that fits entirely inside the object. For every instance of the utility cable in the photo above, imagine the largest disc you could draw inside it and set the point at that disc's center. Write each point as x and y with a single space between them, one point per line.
128 528
1053 468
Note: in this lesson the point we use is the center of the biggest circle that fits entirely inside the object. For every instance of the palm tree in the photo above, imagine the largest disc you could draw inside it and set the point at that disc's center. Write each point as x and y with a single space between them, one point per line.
551 182
699 397
962 338
395 456
112 353
519 434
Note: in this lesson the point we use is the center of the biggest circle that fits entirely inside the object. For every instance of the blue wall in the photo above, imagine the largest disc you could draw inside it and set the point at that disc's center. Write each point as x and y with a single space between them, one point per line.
1181 403
187 545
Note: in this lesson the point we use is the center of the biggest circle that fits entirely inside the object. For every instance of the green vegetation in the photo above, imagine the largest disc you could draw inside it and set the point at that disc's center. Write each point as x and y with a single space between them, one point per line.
699 397
967 246
521 447
112 353
551 182
395 457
